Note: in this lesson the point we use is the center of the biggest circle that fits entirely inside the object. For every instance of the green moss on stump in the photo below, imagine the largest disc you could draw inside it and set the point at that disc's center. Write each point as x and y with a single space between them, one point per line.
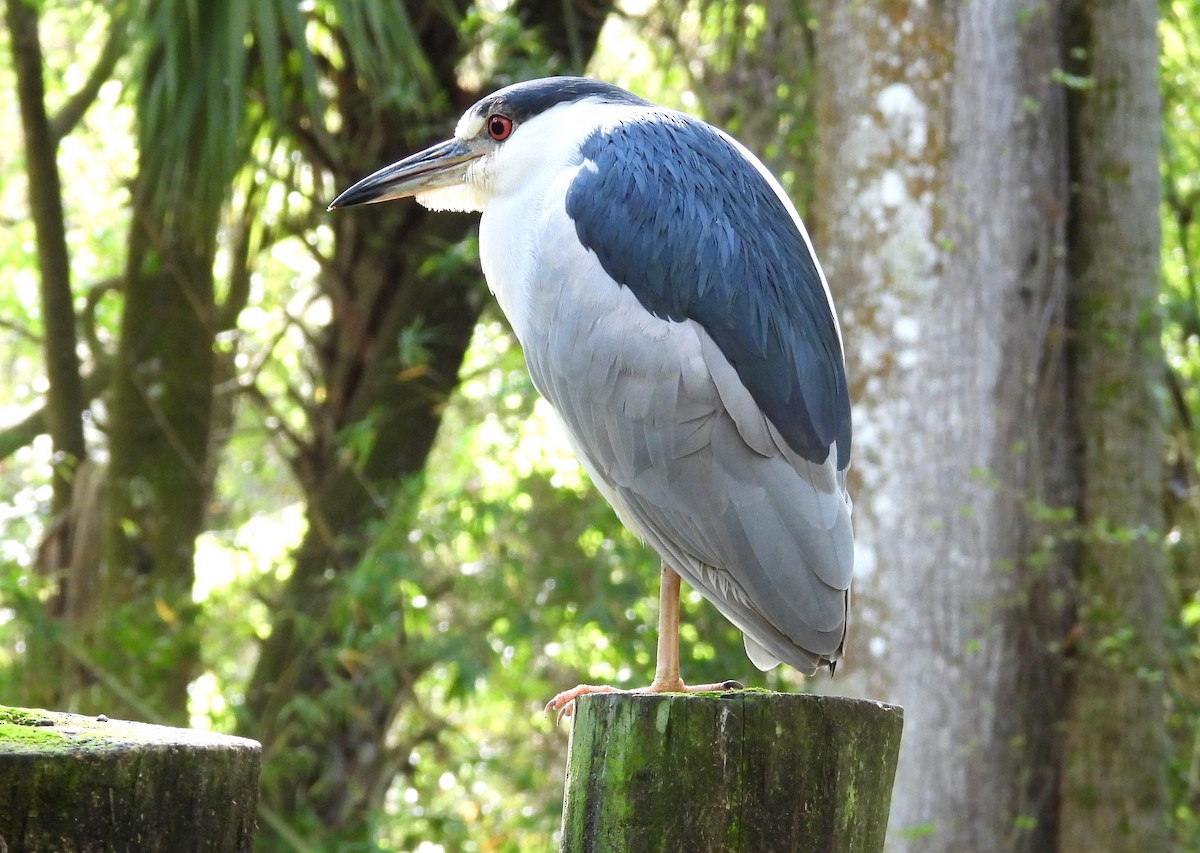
742 771
75 783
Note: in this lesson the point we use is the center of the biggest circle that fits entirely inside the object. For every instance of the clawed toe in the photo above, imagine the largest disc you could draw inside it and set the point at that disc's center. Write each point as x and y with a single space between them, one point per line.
564 703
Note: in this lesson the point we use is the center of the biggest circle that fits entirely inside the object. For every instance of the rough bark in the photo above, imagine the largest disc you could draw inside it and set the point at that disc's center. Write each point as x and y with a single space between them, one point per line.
743 771
161 396
942 191
64 398
161 408
1114 786
74 783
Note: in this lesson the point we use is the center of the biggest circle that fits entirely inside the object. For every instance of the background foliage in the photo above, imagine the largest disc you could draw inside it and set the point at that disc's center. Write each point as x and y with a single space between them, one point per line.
1180 76
485 576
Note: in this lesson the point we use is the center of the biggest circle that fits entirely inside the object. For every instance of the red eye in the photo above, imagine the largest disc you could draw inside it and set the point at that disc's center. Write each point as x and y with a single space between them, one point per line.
499 127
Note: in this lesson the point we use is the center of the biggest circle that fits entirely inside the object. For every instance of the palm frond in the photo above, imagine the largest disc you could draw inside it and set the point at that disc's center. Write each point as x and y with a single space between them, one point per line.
385 49
199 67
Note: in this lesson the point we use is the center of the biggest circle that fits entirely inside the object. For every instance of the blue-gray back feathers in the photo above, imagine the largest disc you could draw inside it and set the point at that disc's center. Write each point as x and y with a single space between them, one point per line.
675 213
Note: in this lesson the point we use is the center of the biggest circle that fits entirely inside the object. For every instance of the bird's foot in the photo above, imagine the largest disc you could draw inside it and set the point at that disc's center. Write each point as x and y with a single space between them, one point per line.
563 705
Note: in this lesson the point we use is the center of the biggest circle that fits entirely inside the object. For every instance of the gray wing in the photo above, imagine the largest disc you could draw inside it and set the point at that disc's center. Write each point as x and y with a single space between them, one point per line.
675 442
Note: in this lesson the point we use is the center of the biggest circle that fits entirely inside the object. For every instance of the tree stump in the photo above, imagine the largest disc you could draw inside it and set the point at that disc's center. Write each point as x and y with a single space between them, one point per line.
740 771
74 784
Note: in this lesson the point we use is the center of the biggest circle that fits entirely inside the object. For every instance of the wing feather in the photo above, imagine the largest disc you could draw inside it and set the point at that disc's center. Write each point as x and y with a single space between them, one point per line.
675 442
695 226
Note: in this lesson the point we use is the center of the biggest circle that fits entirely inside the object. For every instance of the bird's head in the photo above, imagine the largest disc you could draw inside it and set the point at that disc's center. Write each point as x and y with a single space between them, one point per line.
497 144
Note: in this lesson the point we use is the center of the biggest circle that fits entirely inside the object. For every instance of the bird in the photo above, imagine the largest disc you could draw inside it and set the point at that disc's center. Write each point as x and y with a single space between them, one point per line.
672 311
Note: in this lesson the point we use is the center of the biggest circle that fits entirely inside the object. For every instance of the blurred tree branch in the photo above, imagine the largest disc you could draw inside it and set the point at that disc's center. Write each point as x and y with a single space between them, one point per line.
23 432
64 399
115 45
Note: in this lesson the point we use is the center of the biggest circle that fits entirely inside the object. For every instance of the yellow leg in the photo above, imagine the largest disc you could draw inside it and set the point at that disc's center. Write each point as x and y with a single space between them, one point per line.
666 668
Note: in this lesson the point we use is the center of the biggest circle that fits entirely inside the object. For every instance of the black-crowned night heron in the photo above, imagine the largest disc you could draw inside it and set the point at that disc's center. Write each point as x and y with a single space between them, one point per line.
672 312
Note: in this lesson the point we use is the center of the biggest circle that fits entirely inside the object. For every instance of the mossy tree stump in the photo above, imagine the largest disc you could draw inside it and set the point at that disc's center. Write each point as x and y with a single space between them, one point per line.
741 771
72 784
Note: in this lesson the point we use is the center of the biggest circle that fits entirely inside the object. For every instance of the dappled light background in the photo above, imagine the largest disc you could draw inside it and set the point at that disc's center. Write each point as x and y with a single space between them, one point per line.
397 559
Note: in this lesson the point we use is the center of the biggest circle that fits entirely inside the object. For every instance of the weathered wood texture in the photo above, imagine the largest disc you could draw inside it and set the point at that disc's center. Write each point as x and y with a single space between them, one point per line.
943 194
744 771
74 784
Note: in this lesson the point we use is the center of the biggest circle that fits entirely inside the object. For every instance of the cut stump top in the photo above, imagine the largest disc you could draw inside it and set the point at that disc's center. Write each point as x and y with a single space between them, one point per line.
75 783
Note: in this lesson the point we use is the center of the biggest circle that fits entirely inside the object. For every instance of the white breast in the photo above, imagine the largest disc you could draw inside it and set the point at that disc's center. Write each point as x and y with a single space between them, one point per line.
524 218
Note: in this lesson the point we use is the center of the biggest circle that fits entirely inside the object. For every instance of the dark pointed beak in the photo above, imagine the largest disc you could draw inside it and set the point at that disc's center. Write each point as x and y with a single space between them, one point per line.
441 165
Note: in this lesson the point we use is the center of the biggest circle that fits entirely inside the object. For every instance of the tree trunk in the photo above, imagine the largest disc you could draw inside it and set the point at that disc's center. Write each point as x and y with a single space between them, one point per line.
943 194
64 398
161 410
1114 788
44 672
323 641
161 397
304 657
